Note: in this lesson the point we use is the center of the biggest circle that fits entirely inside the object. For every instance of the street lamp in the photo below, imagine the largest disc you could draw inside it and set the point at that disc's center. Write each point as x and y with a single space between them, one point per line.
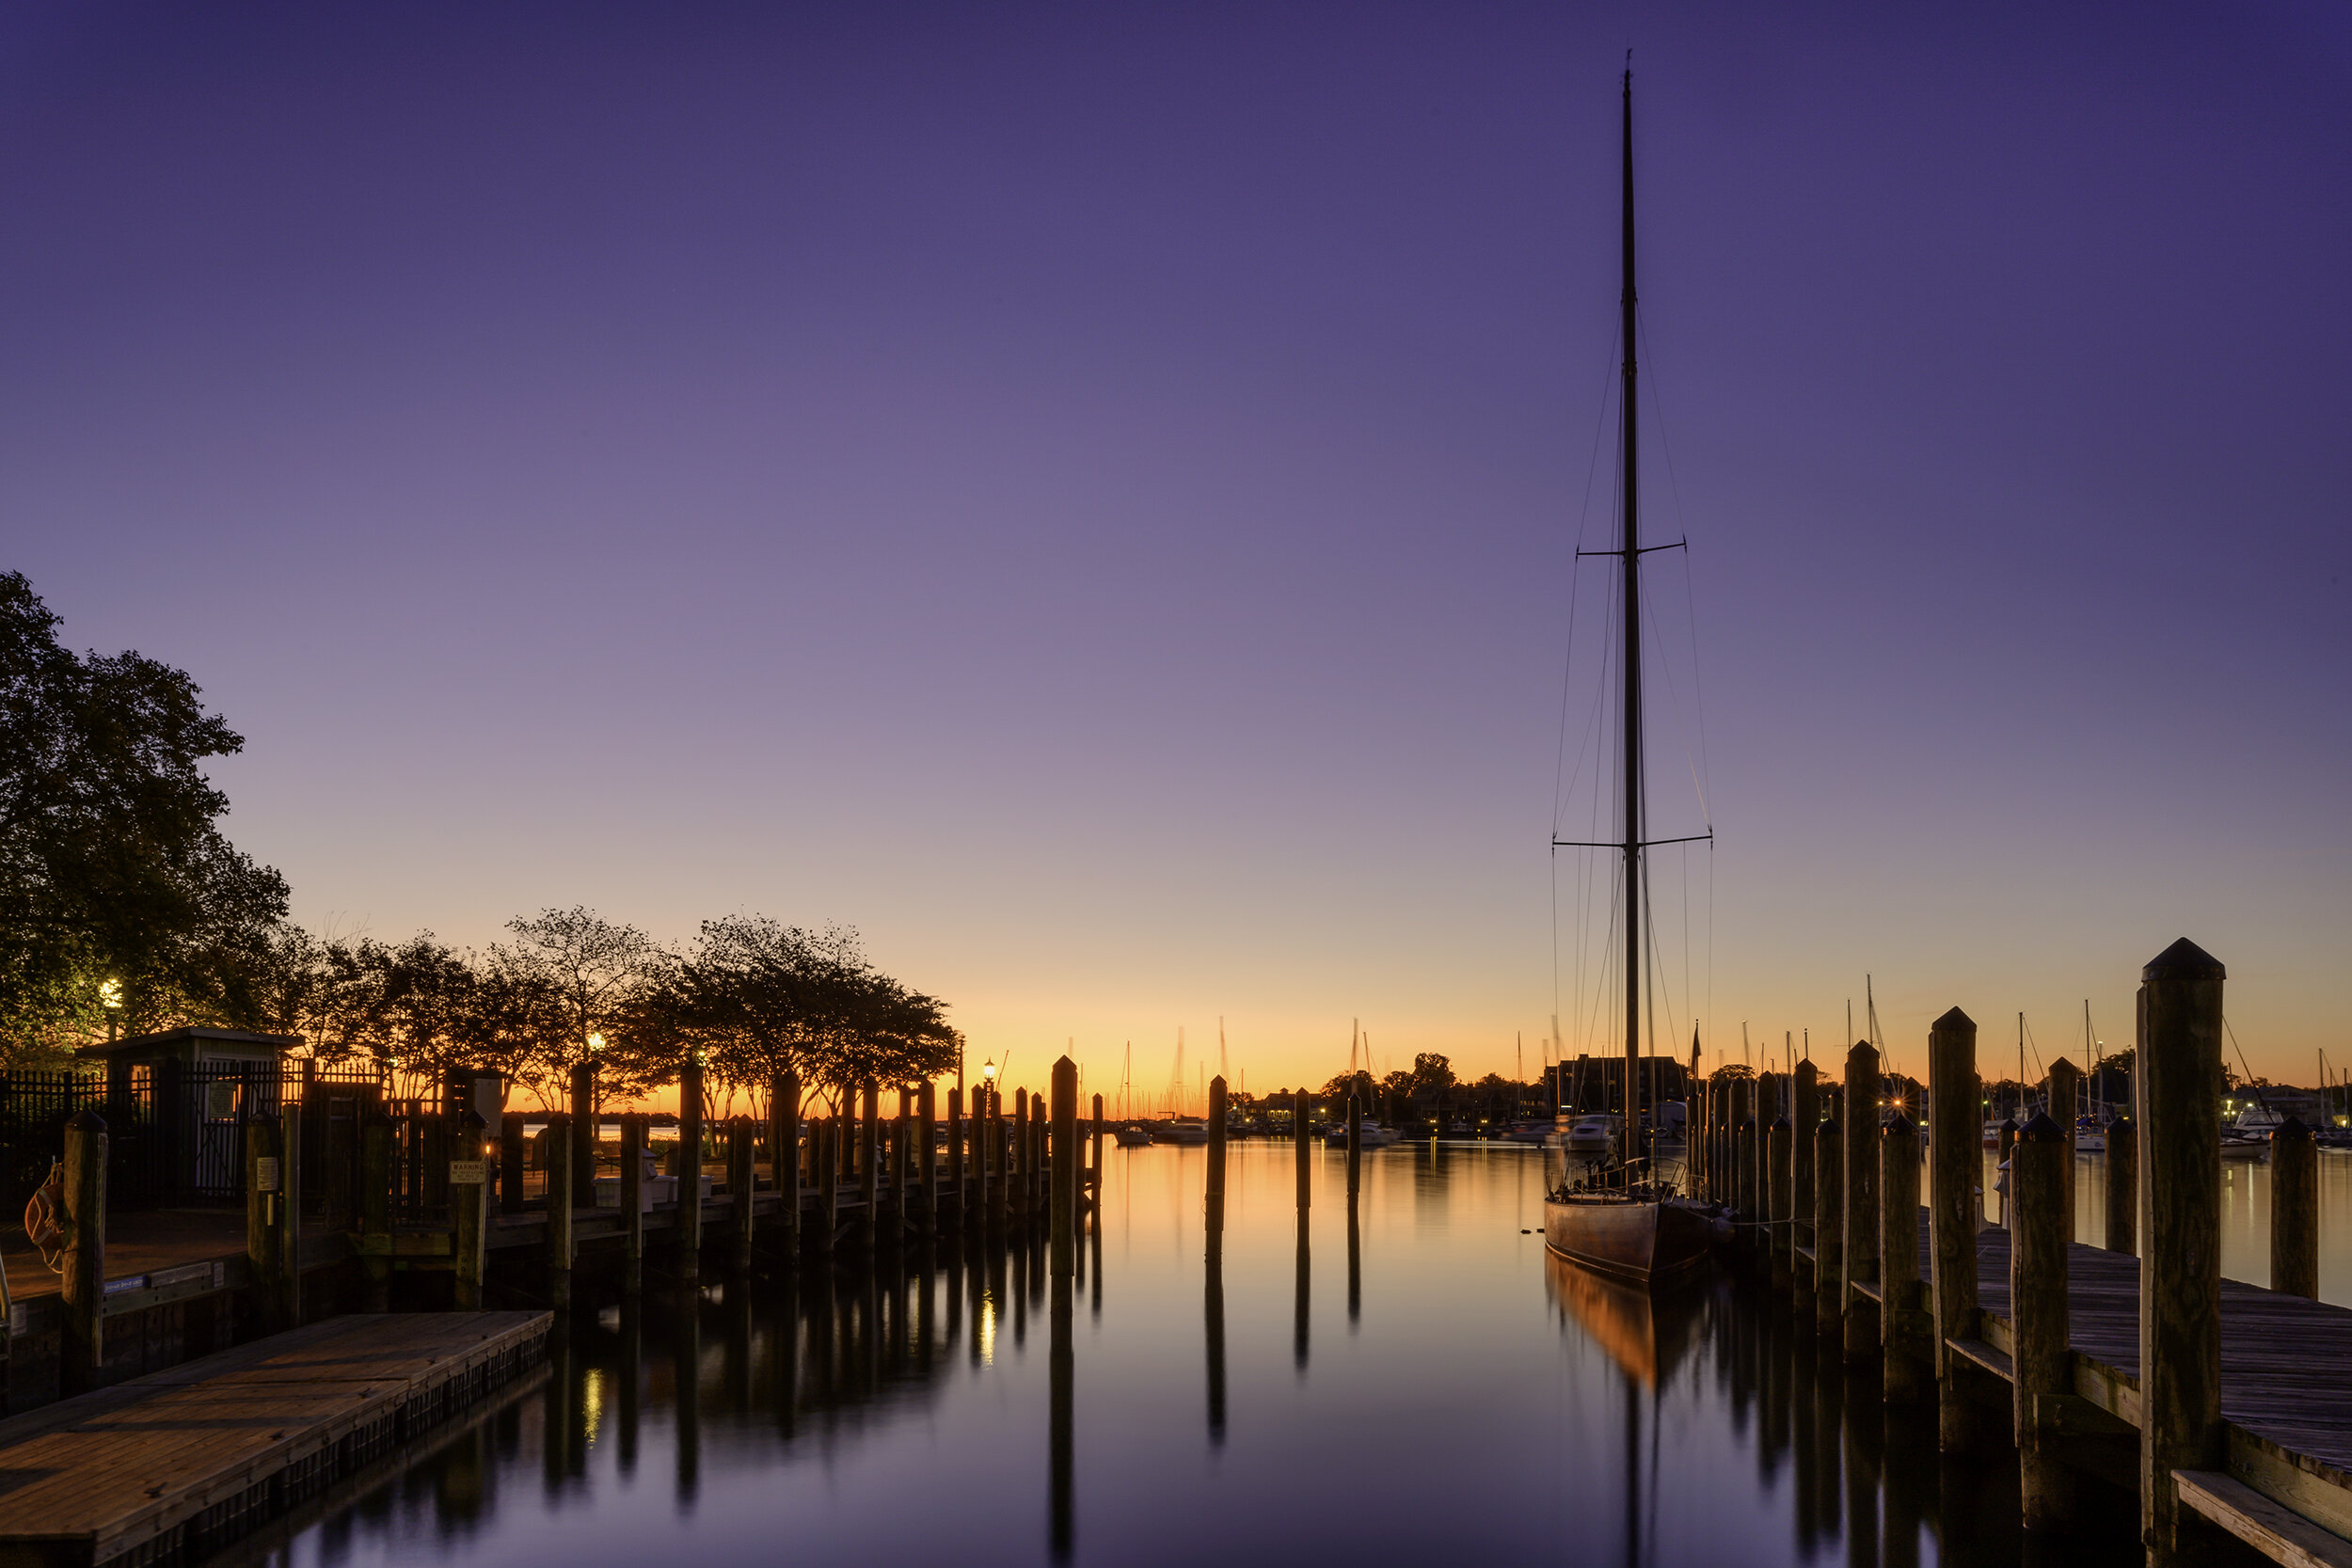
988 1074
595 1042
110 998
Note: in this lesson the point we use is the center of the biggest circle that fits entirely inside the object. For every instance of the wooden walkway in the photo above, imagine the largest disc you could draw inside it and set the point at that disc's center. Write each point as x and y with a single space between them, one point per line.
2286 1371
179 1461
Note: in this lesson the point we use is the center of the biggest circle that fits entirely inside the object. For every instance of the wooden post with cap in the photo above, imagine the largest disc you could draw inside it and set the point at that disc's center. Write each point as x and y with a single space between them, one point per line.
2294 1209
1862 1202
1804 1117
1064 1200
82 1356
1906 1326
2040 1357
1829 1228
1955 1150
469 1206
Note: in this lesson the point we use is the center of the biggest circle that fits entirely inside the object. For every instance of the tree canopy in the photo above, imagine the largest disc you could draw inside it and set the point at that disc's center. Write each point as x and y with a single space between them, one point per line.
117 885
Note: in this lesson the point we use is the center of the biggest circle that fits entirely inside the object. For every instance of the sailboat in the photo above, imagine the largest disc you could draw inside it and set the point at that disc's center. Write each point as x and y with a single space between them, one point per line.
1625 1221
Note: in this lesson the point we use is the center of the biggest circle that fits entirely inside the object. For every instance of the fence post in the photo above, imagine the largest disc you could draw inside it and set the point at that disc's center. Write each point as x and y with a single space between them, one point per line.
2174 1083
290 1214
1862 1201
1955 1146
2040 1358
376 1203
469 1203
559 1201
82 1357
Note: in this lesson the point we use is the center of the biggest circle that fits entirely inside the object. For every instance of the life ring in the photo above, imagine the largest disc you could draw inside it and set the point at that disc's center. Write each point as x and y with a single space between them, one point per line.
44 1218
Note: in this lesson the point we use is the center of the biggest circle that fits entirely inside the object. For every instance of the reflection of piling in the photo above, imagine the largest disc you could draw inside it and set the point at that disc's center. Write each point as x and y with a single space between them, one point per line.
1213 1194
1954 1146
1212 1340
2294 1210
1862 1202
686 1354
1061 1373
2041 1363
2180 1303
1065 1182
631 1372
1906 1328
2123 1163
1354 1270
1298 1310
633 1202
1829 1228
559 1201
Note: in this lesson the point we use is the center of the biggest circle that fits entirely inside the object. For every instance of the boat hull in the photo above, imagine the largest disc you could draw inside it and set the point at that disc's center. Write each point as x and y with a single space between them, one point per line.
1644 1244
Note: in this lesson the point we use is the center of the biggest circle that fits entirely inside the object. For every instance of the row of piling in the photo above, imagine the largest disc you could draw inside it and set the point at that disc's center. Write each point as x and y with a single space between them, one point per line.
1828 1214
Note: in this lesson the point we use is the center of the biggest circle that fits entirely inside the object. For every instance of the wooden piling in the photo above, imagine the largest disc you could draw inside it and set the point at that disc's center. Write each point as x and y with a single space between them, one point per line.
1213 1186
1906 1325
2040 1356
1064 1238
1805 1117
2174 1080
290 1210
262 1207
470 1207
1954 1146
2065 1098
559 1203
743 1190
375 1205
2294 1210
901 1165
633 1202
1829 1228
1862 1202
688 1235
957 1199
2004 1146
784 1156
994 1178
82 1354
927 1158
831 1135
1355 1146
1780 1142
868 1151
1302 1113
2122 1165
584 1128
1094 1142
1751 1202
513 1156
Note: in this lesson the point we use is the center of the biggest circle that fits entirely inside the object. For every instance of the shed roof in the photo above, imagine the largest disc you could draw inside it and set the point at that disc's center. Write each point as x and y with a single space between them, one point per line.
174 1036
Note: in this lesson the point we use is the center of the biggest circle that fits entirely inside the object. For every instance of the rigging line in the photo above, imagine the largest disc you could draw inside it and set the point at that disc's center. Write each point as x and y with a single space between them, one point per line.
1682 526
1673 699
1583 522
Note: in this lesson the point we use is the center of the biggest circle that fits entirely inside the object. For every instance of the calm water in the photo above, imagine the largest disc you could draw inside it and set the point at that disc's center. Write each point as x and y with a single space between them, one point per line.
1428 1384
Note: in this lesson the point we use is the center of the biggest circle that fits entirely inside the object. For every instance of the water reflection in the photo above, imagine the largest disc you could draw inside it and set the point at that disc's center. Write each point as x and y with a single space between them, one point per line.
894 1411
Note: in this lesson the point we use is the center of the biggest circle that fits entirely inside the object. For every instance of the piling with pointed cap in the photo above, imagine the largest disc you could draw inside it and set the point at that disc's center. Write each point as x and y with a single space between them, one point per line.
1954 1146
1065 1176
1804 1116
1829 1228
2174 1083
1862 1202
82 1355
2122 1165
2294 1210
2042 1365
2066 1081
1906 1325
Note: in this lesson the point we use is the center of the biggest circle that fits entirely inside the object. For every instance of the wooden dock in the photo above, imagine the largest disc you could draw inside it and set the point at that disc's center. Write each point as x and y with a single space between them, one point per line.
176 1462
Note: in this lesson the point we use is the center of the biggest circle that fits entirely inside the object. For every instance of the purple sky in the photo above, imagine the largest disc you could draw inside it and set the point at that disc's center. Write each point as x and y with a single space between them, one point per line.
1086 494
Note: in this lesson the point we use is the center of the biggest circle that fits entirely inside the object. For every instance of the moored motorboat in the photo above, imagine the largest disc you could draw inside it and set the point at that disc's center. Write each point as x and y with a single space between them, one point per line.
1593 1134
1372 1136
1181 1130
1131 1136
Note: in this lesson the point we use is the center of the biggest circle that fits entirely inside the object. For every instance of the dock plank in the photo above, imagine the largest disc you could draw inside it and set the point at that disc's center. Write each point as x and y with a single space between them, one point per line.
201 1451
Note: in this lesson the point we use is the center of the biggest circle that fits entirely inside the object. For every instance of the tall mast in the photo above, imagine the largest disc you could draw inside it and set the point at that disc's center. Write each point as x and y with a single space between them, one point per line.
1635 965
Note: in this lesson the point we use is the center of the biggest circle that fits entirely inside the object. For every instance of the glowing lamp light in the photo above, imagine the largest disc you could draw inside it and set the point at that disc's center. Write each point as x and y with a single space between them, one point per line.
110 996
595 1042
702 1056
988 1069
